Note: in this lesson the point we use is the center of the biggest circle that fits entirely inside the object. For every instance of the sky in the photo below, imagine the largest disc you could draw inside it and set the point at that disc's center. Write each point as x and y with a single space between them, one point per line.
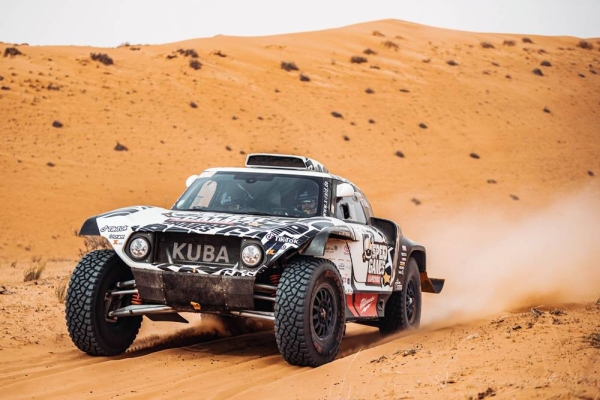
109 23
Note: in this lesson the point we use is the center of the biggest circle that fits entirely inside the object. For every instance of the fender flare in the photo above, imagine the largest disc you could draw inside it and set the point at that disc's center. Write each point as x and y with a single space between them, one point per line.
316 247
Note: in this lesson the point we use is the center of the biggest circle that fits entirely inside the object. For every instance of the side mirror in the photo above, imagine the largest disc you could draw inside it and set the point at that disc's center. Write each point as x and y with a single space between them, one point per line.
344 190
190 180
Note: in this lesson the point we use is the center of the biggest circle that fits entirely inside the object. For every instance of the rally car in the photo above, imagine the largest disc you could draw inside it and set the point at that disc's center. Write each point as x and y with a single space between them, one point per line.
282 239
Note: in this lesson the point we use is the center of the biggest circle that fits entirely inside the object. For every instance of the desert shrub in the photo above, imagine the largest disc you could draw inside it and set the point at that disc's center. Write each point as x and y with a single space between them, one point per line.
35 270
545 63
452 63
218 53
369 52
304 78
92 243
369 91
57 124
377 33
508 43
527 40
288 66
487 45
390 45
61 290
193 105
584 44
12 51
195 64
120 147
337 114
188 53
358 59
538 72
102 58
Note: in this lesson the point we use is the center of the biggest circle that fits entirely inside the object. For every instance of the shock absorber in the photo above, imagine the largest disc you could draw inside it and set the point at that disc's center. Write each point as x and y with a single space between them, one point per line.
136 299
274 278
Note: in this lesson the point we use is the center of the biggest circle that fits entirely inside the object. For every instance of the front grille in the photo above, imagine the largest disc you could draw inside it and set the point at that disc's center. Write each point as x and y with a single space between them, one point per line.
184 248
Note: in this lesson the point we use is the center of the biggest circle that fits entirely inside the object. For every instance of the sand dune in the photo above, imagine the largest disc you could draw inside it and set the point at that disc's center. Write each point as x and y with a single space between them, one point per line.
493 166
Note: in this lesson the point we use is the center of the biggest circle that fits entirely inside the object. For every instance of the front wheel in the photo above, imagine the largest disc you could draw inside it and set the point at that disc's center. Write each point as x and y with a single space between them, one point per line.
309 312
89 301
403 309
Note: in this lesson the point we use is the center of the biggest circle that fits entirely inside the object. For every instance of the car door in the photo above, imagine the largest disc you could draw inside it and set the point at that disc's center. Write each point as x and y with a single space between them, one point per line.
370 254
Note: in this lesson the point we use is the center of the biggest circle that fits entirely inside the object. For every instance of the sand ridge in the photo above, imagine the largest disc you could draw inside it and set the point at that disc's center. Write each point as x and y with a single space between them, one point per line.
484 155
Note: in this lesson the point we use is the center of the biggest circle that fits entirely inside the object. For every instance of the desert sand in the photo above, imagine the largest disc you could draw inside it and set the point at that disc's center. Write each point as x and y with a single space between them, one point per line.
492 166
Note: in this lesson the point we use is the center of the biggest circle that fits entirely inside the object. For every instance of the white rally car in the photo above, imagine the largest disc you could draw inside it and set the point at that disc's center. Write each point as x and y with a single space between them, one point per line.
282 240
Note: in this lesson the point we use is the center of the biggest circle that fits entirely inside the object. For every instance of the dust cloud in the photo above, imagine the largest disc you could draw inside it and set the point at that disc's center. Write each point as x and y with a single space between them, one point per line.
492 263
202 328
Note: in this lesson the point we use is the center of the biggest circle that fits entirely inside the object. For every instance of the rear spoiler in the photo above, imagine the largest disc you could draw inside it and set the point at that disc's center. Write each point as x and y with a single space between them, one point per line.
431 285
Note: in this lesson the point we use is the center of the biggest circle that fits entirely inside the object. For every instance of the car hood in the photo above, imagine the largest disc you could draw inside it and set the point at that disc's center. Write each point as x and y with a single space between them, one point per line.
277 234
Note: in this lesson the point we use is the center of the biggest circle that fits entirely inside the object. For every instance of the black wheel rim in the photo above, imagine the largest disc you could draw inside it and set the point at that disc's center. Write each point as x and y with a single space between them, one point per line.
411 301
323 313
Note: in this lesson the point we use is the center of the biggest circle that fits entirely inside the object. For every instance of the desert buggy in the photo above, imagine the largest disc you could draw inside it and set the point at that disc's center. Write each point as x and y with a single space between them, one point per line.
282 240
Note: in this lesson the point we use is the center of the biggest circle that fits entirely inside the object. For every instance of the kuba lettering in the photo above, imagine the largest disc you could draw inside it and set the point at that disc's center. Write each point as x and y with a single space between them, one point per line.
192 252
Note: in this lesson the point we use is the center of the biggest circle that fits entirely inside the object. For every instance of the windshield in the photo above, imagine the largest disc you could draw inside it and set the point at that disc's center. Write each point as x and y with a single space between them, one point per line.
254 193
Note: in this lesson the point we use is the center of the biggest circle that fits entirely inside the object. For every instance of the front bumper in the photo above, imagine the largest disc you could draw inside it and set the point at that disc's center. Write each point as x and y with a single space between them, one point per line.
195 292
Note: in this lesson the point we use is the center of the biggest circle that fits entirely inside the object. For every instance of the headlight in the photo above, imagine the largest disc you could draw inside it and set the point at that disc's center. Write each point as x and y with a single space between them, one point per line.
251 255
139 248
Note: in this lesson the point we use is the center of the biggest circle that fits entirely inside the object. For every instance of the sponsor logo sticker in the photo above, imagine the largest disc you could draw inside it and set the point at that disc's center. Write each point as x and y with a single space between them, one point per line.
112 229
197 252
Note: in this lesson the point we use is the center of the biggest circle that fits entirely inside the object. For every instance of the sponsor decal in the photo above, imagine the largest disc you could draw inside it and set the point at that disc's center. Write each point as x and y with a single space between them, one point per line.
403 247
197 252
402 263
365 304
116 237
398 286
325 196
281 239
377 273
403 254
112 229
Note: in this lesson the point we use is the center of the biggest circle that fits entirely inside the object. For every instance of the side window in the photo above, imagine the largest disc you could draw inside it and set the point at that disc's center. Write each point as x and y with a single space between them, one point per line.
350 209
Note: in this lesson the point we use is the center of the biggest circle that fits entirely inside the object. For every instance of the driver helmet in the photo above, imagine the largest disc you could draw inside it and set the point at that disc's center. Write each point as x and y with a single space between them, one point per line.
233 199
307 200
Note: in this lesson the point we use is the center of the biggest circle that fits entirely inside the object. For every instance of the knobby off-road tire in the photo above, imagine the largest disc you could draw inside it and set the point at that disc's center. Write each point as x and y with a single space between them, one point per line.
310 312
90 330
403 309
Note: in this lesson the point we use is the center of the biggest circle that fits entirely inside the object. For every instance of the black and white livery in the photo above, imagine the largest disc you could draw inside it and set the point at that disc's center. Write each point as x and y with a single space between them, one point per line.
282 239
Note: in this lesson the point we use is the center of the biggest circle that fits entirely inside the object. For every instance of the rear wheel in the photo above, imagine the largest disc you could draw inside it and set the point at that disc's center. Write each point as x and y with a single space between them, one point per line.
309 312
403 309
89 301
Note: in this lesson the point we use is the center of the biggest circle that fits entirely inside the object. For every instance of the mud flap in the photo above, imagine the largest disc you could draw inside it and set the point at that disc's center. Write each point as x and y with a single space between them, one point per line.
431 285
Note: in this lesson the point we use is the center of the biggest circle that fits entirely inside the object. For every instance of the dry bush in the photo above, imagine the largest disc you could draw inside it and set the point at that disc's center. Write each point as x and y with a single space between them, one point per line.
487 45
103 58
369 52
584 44
188 53
218 53
527 40
92 243
289 66
304 78
35 270
336 114
390 45
195 64
509 43
452 63
377 33
61 290
358 59
12 51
